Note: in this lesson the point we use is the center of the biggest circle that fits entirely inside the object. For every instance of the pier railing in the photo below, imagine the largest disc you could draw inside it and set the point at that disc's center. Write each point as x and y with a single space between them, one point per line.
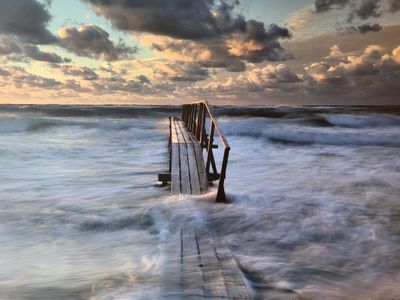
195 117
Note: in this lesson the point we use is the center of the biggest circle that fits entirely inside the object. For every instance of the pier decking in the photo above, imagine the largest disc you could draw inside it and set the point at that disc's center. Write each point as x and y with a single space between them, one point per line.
200 265
188 173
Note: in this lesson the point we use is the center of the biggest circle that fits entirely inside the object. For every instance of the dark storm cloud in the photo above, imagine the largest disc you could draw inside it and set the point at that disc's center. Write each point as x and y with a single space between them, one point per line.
92 41
267 39
208 23
191 19
36 54
27 20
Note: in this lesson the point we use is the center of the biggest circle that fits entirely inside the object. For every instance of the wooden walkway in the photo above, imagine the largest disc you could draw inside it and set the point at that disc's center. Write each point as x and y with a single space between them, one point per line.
188 172
201 268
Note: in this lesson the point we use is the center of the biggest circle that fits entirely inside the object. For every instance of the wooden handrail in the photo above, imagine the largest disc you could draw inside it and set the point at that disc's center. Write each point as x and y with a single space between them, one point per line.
194 116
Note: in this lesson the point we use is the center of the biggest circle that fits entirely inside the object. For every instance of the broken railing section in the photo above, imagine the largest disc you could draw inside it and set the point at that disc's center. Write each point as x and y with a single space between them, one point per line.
195 117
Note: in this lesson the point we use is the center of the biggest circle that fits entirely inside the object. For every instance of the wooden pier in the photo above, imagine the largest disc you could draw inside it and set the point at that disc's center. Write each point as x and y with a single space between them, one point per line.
201 266
188 172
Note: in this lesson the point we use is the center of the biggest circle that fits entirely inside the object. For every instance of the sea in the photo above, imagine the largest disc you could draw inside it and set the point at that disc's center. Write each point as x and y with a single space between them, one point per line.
313 212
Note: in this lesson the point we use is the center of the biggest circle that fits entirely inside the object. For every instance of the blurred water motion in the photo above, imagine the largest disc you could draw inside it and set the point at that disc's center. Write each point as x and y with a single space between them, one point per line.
314 192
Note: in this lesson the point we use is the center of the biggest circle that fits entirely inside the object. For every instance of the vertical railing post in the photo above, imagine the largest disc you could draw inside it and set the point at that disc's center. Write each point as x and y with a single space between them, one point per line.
183 114
189 123
194 118
221 197
200 123
210 145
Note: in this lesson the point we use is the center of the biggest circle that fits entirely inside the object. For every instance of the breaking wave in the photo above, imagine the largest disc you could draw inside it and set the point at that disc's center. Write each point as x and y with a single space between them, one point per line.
334 139
366 121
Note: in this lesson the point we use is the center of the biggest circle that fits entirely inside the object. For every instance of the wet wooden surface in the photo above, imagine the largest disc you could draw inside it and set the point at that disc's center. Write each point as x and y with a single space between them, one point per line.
200 267
188 174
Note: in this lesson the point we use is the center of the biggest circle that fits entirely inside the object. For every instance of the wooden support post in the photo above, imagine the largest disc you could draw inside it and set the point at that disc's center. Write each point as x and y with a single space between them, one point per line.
209 149
194 118
200 126
221 197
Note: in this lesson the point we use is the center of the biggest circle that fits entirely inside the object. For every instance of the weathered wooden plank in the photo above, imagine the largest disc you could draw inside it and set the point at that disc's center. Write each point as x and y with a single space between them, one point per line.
184 167
203 181
192 162
191 269
188 157
175 170
213 280
194 173
234 283
185 133
174 136
171 281
183 160
198 154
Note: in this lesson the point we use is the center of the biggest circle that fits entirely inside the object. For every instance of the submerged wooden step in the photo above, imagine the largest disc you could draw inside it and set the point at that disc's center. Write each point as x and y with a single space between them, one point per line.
201 268
188 175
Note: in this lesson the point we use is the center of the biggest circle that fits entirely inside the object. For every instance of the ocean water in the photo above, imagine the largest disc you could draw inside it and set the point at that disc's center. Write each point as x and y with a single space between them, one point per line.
314 208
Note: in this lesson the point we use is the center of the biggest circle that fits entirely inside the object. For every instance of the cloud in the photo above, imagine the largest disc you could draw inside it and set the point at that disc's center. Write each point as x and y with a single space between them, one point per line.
367 78
4 73
280 73
138 85
325 5
27 20
35 81
92 41
75 86
182 72
209 30
360 10
192 19
84 72
8 46
394 5
364 28
35 53
367 9
21 52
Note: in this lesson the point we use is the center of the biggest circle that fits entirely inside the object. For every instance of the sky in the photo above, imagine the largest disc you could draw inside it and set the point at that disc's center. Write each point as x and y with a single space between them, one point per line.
274 52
